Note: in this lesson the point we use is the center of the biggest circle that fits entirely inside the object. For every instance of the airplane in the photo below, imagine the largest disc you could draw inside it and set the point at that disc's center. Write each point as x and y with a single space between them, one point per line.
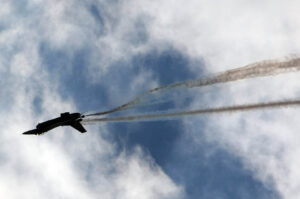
65 119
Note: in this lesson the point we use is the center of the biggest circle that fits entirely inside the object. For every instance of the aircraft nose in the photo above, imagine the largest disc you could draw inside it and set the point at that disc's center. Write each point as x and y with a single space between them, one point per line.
31 132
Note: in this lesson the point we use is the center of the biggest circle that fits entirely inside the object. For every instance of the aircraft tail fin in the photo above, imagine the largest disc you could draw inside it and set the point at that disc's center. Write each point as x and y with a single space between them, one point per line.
76 125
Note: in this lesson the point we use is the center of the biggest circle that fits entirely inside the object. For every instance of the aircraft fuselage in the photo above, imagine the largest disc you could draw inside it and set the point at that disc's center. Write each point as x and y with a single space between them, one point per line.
65 119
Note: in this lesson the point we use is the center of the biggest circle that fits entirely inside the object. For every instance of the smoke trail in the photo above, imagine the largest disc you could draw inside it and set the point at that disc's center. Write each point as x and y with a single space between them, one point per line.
258 69
244 107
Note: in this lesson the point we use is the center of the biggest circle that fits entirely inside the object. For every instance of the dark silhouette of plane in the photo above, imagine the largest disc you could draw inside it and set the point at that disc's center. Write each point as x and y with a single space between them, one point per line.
65 119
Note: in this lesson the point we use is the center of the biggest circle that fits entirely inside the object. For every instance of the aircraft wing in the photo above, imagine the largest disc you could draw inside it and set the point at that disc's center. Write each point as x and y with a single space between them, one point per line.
76 125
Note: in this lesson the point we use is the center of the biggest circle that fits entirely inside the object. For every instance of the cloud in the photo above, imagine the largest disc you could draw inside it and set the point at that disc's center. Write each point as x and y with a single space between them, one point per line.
219 33
131 175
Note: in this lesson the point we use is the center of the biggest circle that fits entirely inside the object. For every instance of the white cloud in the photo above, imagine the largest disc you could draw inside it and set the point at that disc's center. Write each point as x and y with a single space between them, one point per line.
226 34
131 175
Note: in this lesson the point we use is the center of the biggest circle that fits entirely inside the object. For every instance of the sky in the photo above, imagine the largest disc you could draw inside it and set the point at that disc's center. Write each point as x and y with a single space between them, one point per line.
93 55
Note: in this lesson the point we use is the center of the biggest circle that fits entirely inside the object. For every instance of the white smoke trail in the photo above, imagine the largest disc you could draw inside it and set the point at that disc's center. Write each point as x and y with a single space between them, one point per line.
258 69
244 107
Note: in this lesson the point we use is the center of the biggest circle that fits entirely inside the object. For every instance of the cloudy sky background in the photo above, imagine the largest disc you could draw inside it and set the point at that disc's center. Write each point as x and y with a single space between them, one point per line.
58 56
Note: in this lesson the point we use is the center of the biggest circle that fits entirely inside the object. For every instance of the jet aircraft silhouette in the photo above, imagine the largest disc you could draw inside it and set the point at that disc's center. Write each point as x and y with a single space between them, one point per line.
65 119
